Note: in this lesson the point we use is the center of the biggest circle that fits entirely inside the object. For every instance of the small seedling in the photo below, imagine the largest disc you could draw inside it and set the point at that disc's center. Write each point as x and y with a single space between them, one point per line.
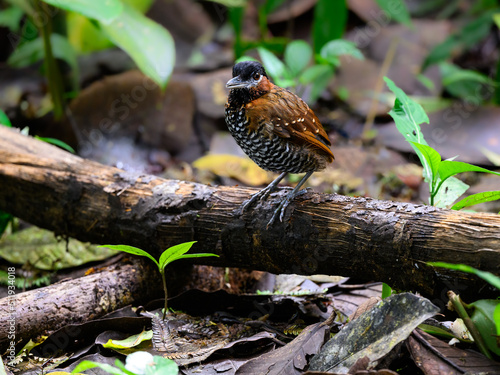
168 256
444 188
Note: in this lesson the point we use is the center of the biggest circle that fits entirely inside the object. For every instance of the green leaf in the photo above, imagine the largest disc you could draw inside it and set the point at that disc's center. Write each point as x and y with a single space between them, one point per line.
486 276
408 115
129 342
57 142
131 250
32 51
275 67
11 18
397 10
173 253
332 50
482 317
149 44
432 160
496 318
163 366
330 18
4 120
486 196
87 365
463 83
448 192
449 168
298 54
102 11
386 290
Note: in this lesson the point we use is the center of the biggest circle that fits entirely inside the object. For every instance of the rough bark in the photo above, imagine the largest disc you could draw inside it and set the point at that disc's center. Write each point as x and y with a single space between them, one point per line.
75 301
331 234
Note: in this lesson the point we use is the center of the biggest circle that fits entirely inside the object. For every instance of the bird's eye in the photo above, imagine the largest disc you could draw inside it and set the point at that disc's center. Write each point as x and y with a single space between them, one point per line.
256 76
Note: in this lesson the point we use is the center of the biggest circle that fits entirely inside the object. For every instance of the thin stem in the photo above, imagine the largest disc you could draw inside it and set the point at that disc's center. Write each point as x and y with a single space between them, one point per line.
458 305
164 280
54 78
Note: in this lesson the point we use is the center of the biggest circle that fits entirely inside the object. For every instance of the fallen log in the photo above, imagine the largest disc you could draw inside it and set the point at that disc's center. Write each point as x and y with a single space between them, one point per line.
332 234
26 315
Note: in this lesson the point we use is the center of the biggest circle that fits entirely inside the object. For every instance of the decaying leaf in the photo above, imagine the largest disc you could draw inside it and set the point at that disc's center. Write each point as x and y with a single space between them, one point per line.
374 333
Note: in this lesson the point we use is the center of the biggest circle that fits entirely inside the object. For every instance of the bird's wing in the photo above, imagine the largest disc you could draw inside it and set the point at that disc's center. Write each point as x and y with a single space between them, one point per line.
288 116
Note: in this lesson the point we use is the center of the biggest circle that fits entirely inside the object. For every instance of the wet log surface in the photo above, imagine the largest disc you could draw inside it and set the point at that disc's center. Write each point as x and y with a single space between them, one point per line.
363 238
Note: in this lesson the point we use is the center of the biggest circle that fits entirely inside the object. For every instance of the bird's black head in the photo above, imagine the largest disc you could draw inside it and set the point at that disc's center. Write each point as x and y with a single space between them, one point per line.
247 74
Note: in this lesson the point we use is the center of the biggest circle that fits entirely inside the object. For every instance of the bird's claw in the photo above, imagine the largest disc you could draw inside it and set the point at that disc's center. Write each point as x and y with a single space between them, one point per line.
281 209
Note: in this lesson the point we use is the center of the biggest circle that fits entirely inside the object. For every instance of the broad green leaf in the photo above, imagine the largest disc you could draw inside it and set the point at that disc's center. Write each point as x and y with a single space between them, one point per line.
449 191
408 115
275 68
149 44
131 250
298 54
86 36
4 120
57 142
386 290
130 341
496 318
11 18
332 50
163 366
463 83
330 18
449 168
482 317
486 276
397 10
453 74
102 11
173 253
33 51
87 365
432 158
486 196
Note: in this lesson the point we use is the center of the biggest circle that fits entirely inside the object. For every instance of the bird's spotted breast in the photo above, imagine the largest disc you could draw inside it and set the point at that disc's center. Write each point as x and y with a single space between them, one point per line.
270 152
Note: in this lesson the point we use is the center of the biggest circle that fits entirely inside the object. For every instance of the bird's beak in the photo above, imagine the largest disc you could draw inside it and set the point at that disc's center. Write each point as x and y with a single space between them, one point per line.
236 83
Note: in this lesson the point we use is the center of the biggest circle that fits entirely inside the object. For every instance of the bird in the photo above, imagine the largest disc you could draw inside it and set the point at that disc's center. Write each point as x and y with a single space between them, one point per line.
276 129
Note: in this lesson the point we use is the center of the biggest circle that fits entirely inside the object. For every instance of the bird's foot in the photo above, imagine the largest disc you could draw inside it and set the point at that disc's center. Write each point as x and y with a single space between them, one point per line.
260 195
281 209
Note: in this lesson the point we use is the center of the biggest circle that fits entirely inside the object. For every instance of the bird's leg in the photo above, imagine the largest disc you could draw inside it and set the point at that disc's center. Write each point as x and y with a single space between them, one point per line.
264 193
285 202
